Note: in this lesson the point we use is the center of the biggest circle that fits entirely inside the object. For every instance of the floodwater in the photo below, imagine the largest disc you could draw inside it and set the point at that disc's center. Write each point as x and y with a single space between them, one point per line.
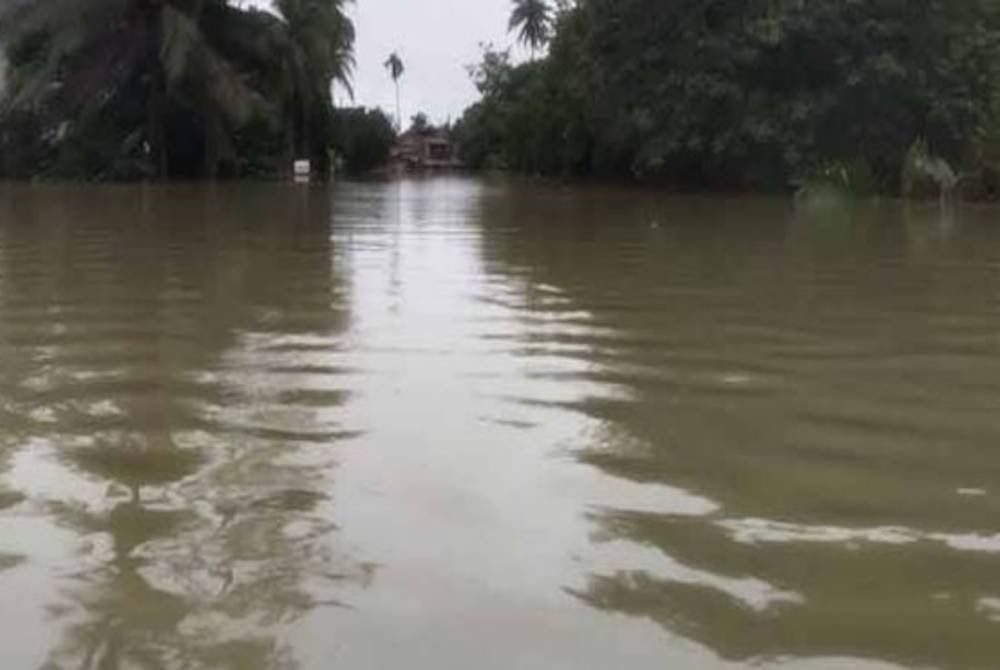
457 424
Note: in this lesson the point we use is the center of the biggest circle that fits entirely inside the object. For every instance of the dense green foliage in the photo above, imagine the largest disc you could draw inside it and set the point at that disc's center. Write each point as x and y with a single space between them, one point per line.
746 93
362 138
113 89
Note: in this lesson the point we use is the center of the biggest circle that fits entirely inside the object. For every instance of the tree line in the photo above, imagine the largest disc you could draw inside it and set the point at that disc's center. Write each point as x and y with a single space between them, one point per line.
746 94
135 89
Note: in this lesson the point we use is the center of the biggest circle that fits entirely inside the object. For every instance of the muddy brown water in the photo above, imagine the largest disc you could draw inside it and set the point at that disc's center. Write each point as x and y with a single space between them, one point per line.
452 423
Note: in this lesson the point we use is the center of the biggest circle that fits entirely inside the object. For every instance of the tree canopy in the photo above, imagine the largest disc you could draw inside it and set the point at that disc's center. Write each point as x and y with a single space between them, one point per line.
531 20
185 88
362 139
743 93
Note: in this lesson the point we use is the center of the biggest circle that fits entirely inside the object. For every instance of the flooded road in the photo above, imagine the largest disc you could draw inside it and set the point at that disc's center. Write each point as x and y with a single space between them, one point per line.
463 424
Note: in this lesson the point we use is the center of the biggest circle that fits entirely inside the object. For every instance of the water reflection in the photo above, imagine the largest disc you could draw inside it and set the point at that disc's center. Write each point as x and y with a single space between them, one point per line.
460 423
161 418
794 382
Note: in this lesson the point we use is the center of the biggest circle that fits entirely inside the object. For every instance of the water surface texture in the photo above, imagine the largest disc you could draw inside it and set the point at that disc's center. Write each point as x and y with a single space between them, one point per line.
462 424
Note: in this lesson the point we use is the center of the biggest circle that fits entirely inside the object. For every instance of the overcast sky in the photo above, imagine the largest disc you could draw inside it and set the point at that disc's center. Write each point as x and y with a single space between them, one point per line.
436 39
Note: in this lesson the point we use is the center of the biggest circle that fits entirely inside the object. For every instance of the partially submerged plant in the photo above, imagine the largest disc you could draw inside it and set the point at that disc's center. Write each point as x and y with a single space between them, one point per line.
925 174
835 182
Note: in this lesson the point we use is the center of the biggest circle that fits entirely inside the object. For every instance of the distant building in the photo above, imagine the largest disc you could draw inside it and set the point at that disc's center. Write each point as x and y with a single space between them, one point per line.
424 149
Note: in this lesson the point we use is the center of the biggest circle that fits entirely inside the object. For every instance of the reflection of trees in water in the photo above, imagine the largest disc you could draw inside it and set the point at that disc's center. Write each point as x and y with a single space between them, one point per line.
135 464
717 318
179 592
141 356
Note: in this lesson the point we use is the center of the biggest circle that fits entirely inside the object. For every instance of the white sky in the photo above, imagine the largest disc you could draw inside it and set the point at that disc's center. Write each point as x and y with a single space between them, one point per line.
436 39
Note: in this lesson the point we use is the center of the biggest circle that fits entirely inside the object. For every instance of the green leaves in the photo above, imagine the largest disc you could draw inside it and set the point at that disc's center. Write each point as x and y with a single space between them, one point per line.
200 71
324 35
532 20
747 93
180 38
394 64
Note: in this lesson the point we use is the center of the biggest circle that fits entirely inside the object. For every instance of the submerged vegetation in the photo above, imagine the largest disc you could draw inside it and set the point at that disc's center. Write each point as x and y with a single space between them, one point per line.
121 89
747 94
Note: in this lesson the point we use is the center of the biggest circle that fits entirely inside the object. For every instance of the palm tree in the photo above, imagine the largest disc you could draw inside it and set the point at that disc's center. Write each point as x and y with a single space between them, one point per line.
95 58
318 52
172 82
395 66
532 19
199 78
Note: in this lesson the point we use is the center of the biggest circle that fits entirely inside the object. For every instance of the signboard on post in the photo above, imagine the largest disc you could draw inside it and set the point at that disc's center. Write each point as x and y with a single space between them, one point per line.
302 170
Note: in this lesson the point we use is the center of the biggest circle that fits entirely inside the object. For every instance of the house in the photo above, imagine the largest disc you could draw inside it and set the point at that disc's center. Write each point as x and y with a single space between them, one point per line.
424 149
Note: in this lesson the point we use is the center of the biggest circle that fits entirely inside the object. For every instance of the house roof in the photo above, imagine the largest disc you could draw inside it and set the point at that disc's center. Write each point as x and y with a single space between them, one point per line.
429 134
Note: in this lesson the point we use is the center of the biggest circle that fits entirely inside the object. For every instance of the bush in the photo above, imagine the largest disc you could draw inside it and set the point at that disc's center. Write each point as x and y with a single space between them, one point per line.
361 138
837 179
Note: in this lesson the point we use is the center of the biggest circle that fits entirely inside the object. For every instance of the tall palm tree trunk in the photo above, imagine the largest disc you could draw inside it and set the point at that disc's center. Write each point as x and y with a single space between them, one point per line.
399 110
289 128
306 150
156 93
156 126
213 130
